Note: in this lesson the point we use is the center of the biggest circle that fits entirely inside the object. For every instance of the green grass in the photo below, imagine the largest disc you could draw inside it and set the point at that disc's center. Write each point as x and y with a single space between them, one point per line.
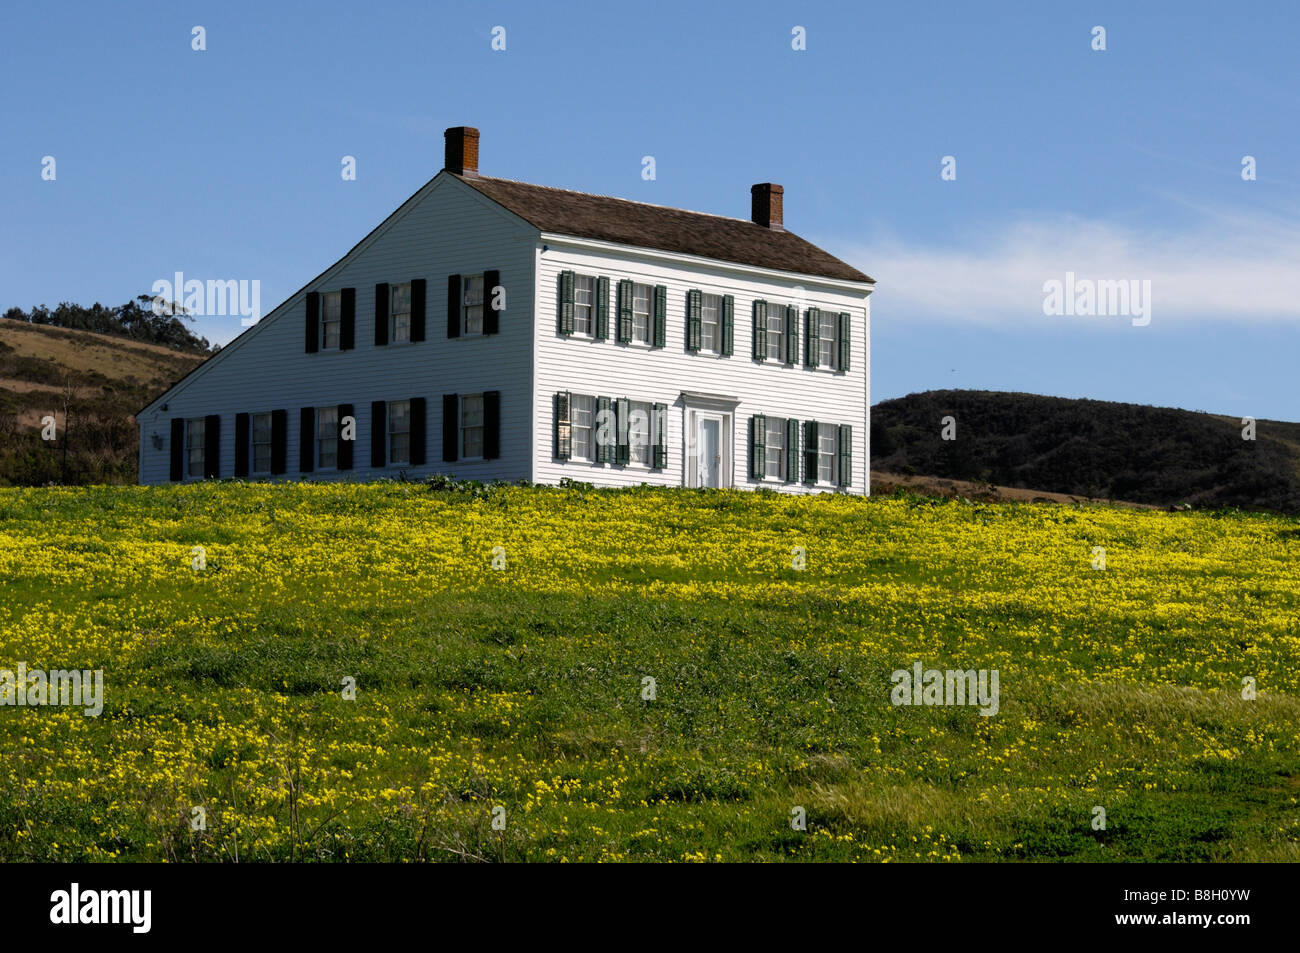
522 689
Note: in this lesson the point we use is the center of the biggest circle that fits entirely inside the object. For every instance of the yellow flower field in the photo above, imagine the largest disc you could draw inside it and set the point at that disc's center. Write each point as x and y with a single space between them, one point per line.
569 674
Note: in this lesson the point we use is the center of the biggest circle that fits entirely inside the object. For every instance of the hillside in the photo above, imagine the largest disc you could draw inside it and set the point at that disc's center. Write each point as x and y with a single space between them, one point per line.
101 379
643 675
1090 448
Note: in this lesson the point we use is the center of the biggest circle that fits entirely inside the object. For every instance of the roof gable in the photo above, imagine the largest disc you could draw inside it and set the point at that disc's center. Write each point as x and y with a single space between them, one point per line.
625 222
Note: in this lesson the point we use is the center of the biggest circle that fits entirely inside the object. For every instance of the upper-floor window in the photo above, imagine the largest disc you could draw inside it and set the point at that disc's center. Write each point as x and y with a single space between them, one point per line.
642 300
584 297
399 313
582 413
710 323
261 443
194 440
472 299
471 426
331 318
327 437
399 431
775 331
828 345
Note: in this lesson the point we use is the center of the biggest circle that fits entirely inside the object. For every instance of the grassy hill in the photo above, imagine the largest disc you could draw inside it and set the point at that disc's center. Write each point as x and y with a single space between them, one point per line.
1090 448
643 675
101 379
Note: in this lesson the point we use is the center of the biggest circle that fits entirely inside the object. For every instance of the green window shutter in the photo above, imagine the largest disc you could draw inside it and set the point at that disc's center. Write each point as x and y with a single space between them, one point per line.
844 329
791 334
243 442
660 336
450 428
694 319
605 427
306 439
563 427
623 453
178 449
846 455
760 330
728 325
757 446
378 434
602 308
491 425
348 319
810 451
812 337
625 311
313 322
381 314
419 432
792 450
566 302
453 306
661 436
419 291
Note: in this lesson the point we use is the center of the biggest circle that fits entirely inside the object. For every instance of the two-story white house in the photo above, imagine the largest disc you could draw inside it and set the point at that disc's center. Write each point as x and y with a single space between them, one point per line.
492 329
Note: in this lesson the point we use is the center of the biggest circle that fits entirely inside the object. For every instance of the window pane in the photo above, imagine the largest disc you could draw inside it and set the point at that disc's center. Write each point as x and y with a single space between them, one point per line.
194 436
775 331
400 313
583 297
827 441
775 443
582 411
261 443
710 307
399 431
641 298
638 432
474 304
471 425
331 311
327 436
827 351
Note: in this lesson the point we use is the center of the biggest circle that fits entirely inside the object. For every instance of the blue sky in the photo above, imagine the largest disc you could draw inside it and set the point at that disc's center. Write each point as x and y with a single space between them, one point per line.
1116 164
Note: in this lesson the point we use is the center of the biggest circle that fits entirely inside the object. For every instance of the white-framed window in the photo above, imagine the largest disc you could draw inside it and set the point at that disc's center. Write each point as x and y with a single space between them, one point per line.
195 436
471 427
828 457
582 417
327 437
828 352
331 318
775 460
710 323
775 331
261 443
584 305
642 301
399 431
399 313
472 296
640 433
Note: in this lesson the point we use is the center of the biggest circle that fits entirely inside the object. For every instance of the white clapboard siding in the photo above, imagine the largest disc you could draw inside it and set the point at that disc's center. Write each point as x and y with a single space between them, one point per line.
446 228
607 368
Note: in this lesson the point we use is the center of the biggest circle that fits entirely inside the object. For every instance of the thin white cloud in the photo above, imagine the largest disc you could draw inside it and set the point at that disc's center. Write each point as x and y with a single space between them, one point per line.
1229 267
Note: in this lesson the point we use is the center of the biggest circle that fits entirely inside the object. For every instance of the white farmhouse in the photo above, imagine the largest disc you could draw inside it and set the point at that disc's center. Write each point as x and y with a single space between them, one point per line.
491 329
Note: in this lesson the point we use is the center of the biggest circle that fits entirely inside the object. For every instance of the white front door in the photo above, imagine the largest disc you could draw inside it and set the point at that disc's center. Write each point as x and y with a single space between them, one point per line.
709 441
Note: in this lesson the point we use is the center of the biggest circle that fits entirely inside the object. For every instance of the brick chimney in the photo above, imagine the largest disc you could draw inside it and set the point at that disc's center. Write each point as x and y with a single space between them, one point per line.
461 154
766 199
